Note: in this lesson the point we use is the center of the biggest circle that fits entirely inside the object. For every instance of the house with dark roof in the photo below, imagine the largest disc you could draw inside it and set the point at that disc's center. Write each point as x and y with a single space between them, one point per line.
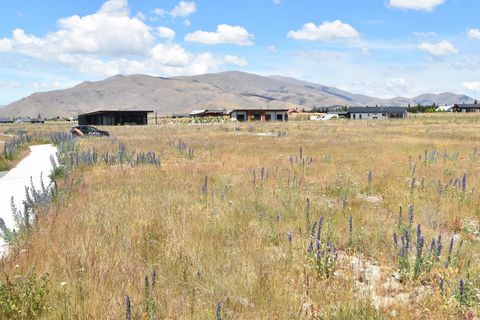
466 107
373 113
6 120
243 115
114 117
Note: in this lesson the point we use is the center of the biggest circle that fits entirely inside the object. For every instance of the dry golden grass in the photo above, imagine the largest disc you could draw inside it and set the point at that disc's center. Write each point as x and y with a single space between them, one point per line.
230 246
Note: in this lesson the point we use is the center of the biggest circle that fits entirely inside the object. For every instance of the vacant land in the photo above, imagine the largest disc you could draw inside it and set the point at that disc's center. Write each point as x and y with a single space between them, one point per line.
227 225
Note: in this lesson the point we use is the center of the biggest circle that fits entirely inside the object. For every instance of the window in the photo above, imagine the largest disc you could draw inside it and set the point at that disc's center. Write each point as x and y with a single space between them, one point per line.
268 117
279 117
241 117
354 116
360 116
257 117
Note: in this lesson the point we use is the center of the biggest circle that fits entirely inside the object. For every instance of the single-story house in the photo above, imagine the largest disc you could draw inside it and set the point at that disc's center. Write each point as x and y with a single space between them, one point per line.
6 120
242 115
373 113
204 113
264 115
114 117
444 109
466 108
29 120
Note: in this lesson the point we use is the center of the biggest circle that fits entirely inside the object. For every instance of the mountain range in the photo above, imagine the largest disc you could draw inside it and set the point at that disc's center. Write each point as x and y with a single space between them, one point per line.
227 90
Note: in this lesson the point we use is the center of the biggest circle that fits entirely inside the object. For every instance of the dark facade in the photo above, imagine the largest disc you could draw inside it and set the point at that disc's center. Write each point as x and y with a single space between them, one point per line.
264 115
114 118
466 108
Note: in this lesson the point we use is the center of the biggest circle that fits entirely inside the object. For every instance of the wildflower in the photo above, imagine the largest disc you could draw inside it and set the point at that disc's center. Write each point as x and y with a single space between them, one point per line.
218 312
289 236
410 215
464 183
439 247
320 225
63 283
128 308
395 241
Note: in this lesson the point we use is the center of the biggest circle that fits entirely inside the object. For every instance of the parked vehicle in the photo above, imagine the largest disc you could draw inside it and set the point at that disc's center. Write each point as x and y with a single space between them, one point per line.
81 131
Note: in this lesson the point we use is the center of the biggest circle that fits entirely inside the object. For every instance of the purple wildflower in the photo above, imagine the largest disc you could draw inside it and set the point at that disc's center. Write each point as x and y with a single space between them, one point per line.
320 225
410 215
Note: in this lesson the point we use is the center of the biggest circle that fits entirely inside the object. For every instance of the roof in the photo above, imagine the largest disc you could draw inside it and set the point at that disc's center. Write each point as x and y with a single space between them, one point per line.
115 111
261 110
444 108
203 111
468 106
6 120
377 110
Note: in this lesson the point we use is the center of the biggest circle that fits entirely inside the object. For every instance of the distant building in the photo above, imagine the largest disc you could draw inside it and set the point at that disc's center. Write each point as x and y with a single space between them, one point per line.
6 120
243 115
466 108
373 113
29 120
444 109
203 113
114 118
264 115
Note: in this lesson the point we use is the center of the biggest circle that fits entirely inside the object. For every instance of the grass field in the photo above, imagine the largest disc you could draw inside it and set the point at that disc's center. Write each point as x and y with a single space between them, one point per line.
227 226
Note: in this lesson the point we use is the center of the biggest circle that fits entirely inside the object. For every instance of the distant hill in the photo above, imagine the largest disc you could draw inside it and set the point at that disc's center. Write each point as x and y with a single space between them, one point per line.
182 94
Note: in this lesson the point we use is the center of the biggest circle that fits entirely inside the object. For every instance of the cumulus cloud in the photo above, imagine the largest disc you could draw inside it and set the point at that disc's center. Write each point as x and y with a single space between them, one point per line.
109 42
166 33
472 33
235 60
472 86
327 31
421 5
438 49
182 9
225 34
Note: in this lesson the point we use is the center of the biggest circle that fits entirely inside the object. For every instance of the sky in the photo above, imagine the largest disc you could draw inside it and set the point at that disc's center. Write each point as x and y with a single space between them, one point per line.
382 48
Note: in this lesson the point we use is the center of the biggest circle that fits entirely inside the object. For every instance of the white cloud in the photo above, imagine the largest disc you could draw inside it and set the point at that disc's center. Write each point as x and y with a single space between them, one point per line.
424 34
327 31
109 42
107 32
166 33
187 23
319 56
438 49
365 51
235 60
474 33
46 85
421 5
182 9
9 84
277 1
116 8
273 49
225 34
472 86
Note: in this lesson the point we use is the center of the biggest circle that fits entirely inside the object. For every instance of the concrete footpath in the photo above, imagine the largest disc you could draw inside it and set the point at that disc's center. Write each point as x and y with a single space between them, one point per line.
13 183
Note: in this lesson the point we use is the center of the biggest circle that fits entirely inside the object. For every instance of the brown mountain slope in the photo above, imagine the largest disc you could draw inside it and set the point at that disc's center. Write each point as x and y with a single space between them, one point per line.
182 94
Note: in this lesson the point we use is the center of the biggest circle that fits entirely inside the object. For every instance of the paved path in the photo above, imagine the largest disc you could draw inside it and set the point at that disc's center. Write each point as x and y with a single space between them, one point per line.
13 183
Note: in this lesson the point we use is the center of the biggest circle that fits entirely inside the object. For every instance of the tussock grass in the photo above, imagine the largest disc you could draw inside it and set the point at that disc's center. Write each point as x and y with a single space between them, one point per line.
228 245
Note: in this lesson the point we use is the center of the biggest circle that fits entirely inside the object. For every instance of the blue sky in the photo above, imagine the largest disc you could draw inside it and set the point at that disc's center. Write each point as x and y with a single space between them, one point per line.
383 48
